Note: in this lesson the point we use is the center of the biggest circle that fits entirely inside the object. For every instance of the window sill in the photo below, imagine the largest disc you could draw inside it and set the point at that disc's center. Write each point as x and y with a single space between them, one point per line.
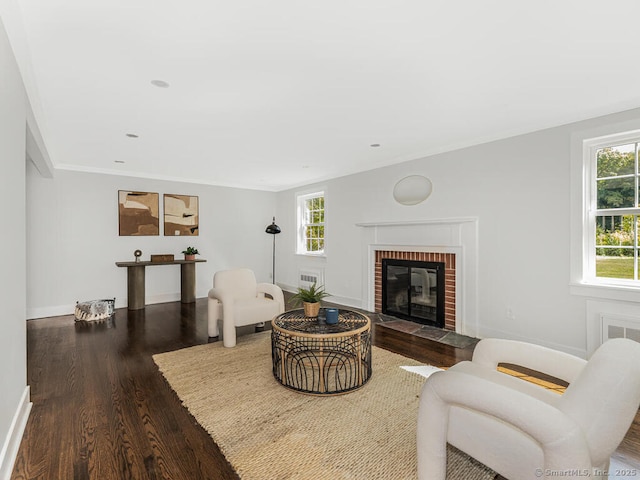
312 255
627 293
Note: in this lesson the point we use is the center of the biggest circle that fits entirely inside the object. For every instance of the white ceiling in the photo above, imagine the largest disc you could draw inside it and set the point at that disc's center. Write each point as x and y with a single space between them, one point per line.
281 93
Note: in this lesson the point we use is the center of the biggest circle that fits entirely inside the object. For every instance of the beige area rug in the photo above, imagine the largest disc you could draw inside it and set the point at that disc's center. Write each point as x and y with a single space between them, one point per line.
268 432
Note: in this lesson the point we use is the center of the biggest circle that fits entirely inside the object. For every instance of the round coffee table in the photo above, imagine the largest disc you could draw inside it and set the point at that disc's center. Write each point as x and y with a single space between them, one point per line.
311 356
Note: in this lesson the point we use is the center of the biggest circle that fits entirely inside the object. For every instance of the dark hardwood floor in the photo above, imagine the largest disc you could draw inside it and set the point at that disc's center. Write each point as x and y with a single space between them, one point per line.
101 410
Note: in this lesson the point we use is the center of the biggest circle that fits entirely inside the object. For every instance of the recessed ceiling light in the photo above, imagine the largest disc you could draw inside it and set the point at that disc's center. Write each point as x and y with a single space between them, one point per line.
374 145
118 161
160 83
131 135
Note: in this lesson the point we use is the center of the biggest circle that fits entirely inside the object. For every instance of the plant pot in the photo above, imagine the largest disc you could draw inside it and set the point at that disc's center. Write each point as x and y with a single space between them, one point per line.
189 257
311 309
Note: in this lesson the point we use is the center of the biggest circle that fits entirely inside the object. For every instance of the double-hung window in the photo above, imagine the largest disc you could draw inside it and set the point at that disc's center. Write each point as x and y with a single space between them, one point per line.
311 220
613 242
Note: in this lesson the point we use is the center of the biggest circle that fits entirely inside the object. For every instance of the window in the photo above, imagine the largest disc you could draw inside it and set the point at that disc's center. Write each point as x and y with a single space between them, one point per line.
613 242
311 224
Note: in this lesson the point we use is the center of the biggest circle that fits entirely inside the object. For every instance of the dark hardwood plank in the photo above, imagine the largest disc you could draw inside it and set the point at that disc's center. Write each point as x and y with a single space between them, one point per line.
418 348
101 409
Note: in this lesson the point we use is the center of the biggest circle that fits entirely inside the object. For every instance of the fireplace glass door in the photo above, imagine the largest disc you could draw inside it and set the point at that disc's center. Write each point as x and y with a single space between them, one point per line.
414 291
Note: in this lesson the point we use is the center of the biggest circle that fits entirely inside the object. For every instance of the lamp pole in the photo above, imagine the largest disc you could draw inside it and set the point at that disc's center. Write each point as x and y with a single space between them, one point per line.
273 229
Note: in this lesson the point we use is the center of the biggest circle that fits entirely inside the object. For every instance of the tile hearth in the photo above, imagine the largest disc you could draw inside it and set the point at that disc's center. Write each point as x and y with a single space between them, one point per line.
424 331
447 337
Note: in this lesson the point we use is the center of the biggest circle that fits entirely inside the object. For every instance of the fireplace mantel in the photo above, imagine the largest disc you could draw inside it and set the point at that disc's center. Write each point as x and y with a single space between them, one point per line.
436 221
457 235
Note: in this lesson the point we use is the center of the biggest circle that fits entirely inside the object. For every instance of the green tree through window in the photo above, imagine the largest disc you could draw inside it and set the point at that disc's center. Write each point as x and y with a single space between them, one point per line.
616 218
314 232
311 223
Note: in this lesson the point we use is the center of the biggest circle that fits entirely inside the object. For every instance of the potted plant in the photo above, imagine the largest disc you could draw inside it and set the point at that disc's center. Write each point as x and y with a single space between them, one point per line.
190 253
310 299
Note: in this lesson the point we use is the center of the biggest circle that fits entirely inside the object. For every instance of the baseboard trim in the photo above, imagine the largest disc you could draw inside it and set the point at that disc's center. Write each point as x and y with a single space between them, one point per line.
495 333
161 298
346 301
43 312
60 310
287 288
14 436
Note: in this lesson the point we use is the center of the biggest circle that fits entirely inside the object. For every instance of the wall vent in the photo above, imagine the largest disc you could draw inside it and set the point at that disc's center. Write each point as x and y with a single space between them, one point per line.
619 326
306 278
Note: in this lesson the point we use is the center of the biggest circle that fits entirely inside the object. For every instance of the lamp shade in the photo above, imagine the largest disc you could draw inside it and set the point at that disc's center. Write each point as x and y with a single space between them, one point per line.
273 228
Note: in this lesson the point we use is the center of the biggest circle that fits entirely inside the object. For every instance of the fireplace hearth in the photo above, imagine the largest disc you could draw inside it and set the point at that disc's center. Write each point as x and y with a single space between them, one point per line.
414 290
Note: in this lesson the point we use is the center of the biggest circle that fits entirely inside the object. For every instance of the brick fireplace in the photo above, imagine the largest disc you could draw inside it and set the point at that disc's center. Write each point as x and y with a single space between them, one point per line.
449 260
453 241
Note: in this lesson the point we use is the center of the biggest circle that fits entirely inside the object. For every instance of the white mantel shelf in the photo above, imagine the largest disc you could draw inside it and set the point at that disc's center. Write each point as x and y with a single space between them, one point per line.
435 221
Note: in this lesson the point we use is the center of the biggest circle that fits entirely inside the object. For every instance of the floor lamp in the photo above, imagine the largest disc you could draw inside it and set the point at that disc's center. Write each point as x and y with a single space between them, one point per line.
273 229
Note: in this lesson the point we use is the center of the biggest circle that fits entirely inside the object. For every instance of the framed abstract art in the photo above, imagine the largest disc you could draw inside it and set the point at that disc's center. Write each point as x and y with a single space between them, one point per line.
138 213
180 215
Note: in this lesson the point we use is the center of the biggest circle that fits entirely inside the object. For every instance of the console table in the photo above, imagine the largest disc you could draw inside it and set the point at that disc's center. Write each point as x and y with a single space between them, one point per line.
136 282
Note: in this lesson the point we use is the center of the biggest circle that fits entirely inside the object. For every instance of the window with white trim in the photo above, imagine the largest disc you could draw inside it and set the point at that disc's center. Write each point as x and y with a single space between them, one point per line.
613 210
311 218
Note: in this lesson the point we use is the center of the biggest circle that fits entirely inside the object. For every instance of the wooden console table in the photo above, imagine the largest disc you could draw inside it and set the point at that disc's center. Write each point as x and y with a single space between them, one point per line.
136 282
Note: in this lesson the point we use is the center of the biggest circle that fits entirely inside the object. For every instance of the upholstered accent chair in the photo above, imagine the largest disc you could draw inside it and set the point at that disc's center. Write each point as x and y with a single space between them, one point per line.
522 430
237 300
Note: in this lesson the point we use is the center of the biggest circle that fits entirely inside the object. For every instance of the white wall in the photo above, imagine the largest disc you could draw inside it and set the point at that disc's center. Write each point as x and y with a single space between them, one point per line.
73 241
518 188
14 399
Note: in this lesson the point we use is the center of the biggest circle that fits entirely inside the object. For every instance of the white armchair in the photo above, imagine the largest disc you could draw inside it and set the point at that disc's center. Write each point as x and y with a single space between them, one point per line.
238 300
524 431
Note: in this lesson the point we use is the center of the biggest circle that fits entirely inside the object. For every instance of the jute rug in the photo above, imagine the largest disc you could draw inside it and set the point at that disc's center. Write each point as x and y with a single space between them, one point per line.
268 432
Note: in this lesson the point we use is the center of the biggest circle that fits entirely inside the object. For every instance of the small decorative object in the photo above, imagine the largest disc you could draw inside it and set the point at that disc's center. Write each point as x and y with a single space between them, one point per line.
310 299
412 190
331 315
137 254
93 310
190 253
165 257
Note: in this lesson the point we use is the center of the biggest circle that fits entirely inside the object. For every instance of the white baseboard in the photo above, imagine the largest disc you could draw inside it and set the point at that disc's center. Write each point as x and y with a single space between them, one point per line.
43 312
346 301
56 311
495 333
287 288
162 298
11 445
